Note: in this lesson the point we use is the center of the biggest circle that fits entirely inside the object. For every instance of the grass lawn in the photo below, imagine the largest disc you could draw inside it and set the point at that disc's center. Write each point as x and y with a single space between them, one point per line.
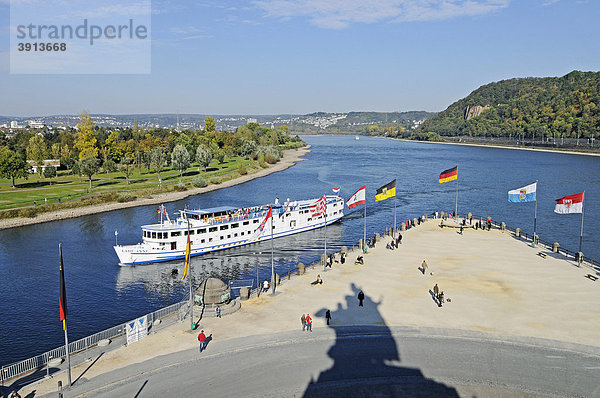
73 191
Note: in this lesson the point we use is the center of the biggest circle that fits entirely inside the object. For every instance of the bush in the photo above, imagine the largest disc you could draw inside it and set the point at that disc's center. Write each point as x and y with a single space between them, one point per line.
180 187
215 180
242 169
125 197
199 182
110 166
50 172
261 161
271 158
28 212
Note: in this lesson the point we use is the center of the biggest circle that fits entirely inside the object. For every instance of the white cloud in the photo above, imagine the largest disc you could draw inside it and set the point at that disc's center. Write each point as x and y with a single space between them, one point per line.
338 14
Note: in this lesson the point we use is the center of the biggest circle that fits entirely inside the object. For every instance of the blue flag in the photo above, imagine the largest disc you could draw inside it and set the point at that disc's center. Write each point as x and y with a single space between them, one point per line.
525 194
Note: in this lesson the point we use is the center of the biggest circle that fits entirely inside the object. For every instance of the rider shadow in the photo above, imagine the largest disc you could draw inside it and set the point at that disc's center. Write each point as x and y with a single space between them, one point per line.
366 360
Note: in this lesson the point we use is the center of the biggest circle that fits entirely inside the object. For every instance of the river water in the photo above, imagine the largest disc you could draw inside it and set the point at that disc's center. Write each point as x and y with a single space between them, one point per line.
101 294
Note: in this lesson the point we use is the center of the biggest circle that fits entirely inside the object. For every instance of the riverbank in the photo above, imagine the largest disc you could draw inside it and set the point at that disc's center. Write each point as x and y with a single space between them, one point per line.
289 158
568 152
495 285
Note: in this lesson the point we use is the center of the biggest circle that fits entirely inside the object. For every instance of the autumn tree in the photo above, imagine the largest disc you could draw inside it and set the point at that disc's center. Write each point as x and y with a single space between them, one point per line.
86 139
209 124
36 151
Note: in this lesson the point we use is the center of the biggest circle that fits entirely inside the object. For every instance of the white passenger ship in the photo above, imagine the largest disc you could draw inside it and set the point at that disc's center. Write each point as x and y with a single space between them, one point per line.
225 227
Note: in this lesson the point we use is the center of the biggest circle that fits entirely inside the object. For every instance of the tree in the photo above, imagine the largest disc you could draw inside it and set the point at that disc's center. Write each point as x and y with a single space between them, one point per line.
203 156
50 172
125 167
220 156
159 157
86 139
180 159
36 151
12 165
248 149
88 167
209 124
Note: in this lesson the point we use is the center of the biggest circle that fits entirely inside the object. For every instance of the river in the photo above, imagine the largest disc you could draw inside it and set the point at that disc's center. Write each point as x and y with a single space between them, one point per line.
101 294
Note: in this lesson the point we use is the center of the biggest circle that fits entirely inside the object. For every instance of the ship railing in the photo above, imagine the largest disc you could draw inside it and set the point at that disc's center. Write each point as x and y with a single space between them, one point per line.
31 369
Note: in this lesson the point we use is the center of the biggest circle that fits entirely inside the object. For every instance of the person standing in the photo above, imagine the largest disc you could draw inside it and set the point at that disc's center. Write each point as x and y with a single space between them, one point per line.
309 322
399 241
361 297
441 299
424 267
328 316
202 340
303 320
218 311
436 292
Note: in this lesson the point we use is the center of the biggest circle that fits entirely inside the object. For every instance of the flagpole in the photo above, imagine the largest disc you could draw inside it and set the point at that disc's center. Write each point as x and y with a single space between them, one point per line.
581 234
65 321
189 260
325 231
272 262
456 204
535 211
394 231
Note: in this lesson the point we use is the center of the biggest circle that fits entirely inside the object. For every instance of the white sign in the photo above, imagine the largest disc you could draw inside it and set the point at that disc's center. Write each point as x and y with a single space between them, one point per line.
137 329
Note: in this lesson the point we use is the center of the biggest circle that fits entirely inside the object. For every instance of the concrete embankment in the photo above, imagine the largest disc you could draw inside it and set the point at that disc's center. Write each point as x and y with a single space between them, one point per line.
494 284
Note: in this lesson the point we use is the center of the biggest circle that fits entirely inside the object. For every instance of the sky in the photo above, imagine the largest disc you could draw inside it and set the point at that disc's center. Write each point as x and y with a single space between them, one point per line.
300 56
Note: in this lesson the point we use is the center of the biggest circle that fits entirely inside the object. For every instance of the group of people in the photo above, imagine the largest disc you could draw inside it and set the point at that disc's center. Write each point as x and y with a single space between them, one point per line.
307 322
395 242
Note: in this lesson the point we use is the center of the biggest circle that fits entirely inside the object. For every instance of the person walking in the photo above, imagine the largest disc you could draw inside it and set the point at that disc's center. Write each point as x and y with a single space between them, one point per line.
441 299
424 267
399 241
328 316
218 311
303 320
202 340
361 297
309 322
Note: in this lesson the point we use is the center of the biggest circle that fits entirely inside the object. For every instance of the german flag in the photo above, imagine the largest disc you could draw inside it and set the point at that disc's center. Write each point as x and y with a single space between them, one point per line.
62 301
449 175
386 191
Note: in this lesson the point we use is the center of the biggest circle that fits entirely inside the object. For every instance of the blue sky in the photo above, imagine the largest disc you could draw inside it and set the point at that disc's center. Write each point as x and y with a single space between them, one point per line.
301 56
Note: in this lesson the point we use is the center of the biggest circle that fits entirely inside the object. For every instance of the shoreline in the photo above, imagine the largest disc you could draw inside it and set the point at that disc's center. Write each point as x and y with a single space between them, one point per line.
567 152
290 157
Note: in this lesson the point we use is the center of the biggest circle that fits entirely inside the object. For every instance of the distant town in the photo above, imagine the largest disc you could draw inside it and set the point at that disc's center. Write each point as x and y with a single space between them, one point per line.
314 123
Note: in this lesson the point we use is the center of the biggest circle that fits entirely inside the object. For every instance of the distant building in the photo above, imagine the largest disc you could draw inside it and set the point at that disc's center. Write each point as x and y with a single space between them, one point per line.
14 124
45 163
251 120
36 124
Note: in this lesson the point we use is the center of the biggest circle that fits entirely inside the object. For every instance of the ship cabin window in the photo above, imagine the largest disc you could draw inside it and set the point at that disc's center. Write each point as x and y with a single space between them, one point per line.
210 239
235 234
193 216
309 218
287 215
246 222
153 235
203 240
224 227
255 222
242 233
236 225
222 237
228 236
201 231
334 213
212 229
273 227
186 232
144 234
178 233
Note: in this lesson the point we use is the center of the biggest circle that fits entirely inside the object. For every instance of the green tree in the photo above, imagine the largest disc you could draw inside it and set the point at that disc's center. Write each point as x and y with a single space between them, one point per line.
88 167
50 172
203 156
180 159
12 165
159 157
220 156
126 167
86 139
209 124
248 149
37 150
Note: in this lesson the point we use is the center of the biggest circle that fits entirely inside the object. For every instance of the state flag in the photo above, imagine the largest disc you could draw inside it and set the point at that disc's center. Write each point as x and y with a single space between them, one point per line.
318 207
386 191
525 194
359 197
569 204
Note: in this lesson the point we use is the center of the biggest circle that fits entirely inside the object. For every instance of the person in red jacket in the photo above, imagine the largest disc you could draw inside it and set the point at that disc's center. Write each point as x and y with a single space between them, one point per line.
309 322
202 340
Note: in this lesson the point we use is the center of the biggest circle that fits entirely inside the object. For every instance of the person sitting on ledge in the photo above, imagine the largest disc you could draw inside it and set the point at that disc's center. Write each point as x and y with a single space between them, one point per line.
319 281
359 260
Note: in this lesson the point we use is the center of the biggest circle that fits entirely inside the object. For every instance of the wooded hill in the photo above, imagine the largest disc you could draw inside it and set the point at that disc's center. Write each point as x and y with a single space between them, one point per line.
565 106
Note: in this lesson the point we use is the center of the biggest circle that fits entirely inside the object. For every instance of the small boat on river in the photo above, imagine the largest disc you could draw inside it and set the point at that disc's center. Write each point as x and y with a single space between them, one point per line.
226 227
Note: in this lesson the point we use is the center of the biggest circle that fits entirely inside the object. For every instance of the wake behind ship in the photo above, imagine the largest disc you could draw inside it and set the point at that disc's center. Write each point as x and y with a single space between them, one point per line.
226 227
